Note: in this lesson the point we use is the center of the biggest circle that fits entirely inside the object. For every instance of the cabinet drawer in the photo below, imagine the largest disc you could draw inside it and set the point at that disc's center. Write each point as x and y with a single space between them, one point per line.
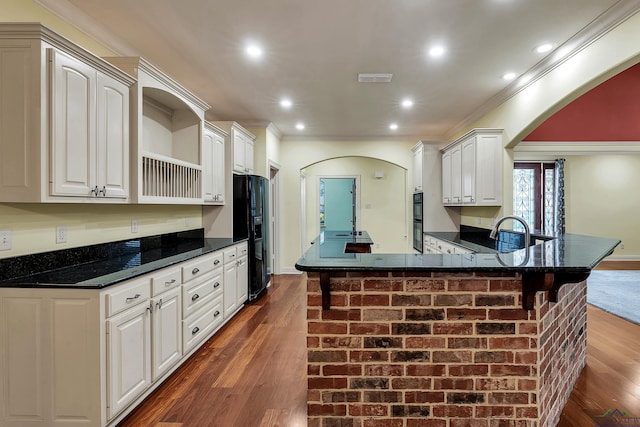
230 255
197 328
127 295
165 280
200 266
196 293
242 249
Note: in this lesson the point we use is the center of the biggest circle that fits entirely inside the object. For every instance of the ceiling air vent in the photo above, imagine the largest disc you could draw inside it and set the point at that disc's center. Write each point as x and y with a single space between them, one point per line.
374 78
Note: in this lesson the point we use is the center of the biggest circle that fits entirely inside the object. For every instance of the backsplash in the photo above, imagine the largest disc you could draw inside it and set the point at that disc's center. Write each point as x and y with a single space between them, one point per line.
27 265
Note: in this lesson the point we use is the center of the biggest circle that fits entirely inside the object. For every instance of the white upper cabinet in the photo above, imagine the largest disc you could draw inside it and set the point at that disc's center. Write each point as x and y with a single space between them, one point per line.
242 142
213 164
472 169
64 131
166 136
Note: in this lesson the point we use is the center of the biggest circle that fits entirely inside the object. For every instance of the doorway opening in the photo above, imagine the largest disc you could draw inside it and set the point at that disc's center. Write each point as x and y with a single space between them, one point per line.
338 203
273 226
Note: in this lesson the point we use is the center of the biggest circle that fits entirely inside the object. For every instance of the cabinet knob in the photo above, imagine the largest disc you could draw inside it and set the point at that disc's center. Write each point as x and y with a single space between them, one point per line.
216 262
216 285
195 330
216 314
195 271
195 297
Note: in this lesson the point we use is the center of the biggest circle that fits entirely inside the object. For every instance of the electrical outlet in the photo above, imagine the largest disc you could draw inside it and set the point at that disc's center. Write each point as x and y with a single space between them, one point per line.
134 225
61 234
5 240
621 245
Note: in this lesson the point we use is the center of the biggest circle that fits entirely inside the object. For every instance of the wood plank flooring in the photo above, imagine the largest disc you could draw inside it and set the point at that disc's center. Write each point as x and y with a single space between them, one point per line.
253 372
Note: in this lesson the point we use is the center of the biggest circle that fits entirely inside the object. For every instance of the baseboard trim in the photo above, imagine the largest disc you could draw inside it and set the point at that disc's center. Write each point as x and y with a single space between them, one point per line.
289 270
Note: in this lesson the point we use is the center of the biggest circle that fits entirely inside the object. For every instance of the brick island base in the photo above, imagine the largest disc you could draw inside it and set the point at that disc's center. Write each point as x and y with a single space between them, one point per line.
403 349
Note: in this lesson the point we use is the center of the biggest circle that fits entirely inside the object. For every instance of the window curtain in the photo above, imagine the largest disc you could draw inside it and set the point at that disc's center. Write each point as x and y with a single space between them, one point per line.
559 196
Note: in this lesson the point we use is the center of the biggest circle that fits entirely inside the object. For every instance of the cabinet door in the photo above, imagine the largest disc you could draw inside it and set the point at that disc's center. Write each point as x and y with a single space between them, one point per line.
207 166
248 155
73 127
242 280
238 152
218 169
489 170
112 162
230 289
446 178
166 326
128 357
456 174
469 171
417 169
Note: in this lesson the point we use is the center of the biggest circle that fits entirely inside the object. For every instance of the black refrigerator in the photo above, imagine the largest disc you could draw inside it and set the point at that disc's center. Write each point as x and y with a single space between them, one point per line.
250 220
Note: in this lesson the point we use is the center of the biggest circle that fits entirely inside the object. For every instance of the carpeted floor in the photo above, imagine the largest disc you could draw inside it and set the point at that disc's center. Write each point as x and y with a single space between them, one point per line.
616 291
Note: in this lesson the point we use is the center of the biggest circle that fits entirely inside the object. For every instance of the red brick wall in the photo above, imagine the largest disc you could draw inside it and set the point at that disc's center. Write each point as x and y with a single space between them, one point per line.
441 350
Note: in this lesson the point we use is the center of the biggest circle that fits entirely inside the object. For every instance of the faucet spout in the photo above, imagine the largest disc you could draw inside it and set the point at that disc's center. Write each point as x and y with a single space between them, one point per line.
527 232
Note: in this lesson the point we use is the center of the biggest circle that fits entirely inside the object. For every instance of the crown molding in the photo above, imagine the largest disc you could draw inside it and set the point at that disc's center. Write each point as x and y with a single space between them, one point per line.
607 21
580 148
69 13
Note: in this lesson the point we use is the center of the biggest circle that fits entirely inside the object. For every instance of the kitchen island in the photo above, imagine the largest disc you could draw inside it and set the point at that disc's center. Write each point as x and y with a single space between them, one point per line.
447 340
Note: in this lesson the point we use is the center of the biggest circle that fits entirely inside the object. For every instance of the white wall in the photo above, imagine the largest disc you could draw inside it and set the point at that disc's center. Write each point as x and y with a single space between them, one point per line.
383 201
295 155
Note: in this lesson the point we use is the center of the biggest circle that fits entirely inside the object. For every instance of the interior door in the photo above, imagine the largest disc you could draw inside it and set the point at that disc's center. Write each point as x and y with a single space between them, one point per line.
337 203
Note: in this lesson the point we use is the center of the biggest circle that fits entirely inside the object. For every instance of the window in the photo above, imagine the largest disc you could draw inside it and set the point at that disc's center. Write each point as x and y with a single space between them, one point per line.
533 194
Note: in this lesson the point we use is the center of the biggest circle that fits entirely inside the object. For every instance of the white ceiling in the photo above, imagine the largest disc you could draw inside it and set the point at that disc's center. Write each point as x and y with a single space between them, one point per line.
314 49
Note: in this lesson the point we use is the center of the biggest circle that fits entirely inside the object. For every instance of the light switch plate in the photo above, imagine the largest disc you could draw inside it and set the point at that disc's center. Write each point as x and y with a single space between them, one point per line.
5 240
134 225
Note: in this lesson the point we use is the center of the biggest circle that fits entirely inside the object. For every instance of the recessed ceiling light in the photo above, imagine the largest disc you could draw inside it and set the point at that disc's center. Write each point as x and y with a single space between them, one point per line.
436 51
300 126
407 103
393 126
543 48
254 51
509 76
286 103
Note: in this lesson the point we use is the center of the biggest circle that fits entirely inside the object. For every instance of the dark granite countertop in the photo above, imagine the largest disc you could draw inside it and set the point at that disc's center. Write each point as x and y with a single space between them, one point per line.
478 240
564 253
98 266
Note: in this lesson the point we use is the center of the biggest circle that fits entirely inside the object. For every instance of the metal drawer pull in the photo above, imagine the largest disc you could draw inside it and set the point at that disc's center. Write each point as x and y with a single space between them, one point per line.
170 282
216 262
195 270
216 314
195 330
95 190
159 304
103 191
216 285
136 296
195 297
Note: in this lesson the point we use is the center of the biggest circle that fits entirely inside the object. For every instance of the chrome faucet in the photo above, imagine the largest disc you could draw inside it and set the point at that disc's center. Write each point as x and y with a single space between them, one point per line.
527 233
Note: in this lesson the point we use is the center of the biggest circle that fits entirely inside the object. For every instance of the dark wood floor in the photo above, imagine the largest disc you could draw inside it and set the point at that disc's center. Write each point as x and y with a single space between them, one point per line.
253 372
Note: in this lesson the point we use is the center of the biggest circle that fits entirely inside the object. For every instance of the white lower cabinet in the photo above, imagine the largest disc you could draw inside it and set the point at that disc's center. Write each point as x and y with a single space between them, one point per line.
433 245
89 356
128 356
166 331
242 278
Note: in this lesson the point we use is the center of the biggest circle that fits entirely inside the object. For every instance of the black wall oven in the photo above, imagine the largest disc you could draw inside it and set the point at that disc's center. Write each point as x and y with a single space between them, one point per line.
417 222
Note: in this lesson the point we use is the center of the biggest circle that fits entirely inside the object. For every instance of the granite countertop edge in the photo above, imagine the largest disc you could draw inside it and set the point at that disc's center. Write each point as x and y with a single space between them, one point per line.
202 245
566 253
